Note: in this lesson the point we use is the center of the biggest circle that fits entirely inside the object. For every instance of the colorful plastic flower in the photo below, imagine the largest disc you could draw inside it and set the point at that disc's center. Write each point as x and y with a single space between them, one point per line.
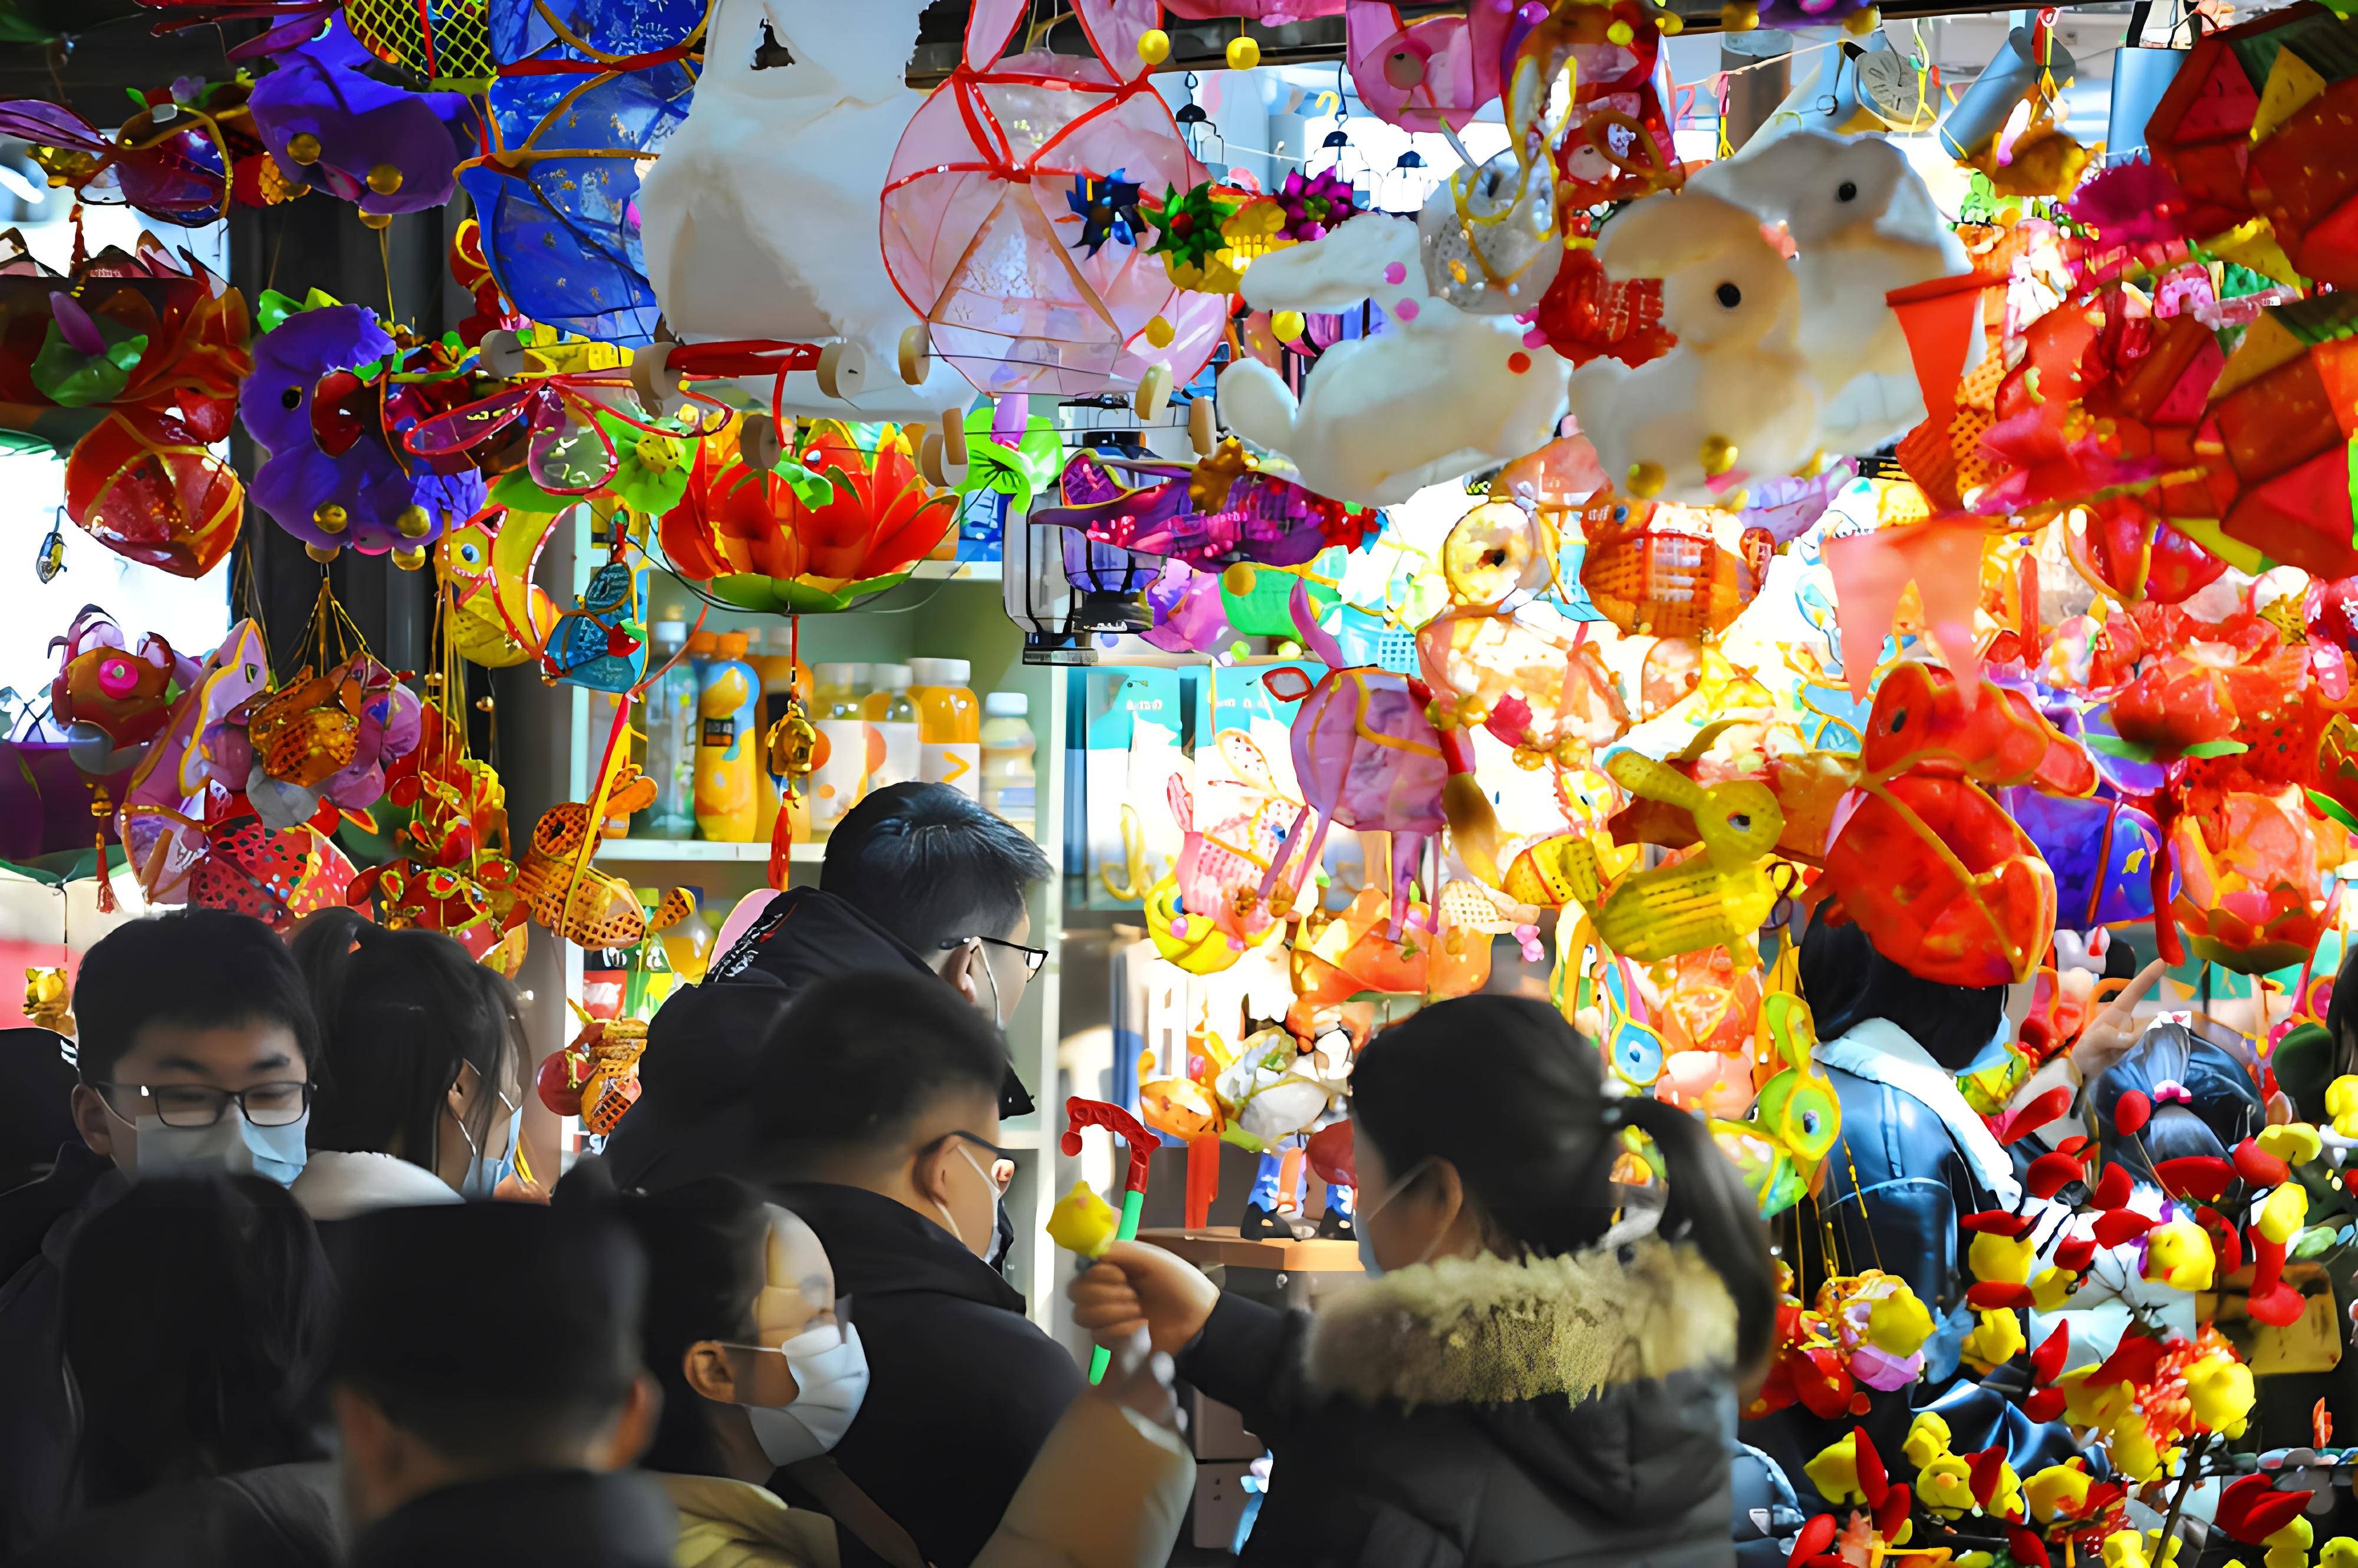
1315 205
1107 210
1188 225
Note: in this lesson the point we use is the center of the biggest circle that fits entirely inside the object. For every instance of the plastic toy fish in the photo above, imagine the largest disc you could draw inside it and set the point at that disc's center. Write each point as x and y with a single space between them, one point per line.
1781 1148
1241 514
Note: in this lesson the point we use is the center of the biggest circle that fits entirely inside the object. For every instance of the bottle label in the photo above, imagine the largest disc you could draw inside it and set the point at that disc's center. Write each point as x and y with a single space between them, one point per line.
958 764
901 753
836 786
1017 803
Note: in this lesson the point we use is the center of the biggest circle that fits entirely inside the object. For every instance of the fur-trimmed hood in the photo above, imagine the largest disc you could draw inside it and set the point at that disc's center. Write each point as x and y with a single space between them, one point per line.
1493 1331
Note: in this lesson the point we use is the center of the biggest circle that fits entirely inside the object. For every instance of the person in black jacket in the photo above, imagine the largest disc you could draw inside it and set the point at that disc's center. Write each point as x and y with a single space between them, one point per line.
1537 1374
919 879
195 1314
462 1449
1912 1159
878 1101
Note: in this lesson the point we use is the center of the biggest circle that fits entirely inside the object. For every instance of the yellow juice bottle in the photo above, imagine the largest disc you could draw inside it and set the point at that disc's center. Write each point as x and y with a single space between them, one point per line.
729 770
949 725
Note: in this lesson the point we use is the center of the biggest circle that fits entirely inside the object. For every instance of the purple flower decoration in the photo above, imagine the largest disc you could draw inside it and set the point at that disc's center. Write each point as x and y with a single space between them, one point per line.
363 135
1315 205
300 479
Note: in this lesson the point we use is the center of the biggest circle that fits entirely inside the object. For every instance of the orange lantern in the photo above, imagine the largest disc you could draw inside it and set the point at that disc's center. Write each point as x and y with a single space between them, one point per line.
1660 570
146 485
2250 870
833 523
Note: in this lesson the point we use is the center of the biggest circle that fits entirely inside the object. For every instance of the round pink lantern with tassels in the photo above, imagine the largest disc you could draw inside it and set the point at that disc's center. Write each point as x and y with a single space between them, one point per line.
981 235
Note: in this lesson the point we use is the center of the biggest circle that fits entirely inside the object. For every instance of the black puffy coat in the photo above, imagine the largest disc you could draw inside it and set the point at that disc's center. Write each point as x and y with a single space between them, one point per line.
282 1516
1492 1413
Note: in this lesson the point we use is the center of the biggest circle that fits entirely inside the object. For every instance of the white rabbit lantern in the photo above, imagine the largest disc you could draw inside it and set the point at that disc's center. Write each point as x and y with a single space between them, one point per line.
759 221
1435 394
982 239
1864 225
1735 397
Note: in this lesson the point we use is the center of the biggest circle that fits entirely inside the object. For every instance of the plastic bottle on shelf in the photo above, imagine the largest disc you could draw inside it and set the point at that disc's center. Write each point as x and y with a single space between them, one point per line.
841 718
949 725
892 755
1008 785
688 945
729 772
670 722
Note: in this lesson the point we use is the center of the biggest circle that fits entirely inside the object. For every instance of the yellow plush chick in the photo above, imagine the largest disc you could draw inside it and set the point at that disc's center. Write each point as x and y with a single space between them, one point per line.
1997 1341
2341 1104
1082 1222
2286 1208
2179 1255
1927 1439
2001 1260
2289 1548
2051 1289
2132 1449
2294 1142
2340 1552
2219 1388
1945 1486
2125 1549
1898 1324
2097 1407
2059 1491
1835 1472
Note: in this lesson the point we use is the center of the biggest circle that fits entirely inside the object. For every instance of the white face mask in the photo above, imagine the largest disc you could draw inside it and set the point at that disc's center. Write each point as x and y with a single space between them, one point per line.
997 1249
830 1369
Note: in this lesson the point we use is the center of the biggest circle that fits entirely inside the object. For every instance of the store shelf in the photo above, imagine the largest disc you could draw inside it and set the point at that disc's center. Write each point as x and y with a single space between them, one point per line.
682 850
956 571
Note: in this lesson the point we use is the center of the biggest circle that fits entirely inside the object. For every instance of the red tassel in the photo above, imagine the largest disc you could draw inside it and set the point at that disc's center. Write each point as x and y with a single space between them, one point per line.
107 902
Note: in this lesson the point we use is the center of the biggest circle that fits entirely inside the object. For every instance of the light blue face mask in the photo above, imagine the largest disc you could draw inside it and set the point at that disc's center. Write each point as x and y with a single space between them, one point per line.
233 1144
1366 1232
484 1176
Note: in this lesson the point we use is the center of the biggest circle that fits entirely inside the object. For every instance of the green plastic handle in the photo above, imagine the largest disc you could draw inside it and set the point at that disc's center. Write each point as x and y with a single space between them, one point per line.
1131 1204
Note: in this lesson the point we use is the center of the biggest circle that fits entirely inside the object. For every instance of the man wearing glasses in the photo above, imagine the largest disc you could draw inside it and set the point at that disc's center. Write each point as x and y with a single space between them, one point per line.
918 880
195 1047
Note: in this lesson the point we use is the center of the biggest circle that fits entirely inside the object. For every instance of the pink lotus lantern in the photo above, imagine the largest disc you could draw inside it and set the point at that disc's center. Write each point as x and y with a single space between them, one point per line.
986 228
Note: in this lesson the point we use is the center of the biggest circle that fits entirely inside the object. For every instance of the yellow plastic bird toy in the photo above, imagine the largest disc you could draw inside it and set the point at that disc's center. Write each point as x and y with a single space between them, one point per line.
1082 1222
1717 899
48 1000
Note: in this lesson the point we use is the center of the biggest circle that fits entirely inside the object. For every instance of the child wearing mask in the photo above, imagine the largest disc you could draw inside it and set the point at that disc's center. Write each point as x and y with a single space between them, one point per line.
762 1372
1528 1375
421 1076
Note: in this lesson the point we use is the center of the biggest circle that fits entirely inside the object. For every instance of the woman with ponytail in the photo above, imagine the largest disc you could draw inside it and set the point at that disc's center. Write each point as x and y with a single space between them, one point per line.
1537 1370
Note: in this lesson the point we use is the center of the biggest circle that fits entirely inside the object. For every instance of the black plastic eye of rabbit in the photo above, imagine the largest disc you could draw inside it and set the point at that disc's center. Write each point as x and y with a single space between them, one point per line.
1847 191
1728 295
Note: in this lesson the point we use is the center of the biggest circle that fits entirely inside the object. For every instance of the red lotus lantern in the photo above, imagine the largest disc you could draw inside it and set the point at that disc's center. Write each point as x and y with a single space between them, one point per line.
834 522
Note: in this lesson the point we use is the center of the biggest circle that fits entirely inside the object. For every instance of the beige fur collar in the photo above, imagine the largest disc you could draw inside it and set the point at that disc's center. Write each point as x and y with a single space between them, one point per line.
1493 1330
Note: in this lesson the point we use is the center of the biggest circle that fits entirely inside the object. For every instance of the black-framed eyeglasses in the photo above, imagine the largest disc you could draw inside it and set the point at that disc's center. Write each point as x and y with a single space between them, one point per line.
1033 957
1003 1160
201 1105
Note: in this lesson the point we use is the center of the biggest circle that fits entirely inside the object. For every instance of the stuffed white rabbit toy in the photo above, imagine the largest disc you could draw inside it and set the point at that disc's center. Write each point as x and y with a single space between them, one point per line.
1864 224
1432 397
1734 398
759 218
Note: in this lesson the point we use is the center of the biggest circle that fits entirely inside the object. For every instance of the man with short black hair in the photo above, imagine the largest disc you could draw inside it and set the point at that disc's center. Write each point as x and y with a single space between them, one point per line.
463 1442
195 1044
879 1100
918 880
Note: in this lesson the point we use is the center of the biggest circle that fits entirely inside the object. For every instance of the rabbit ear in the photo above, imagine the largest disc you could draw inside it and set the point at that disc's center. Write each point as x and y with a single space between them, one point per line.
1663 233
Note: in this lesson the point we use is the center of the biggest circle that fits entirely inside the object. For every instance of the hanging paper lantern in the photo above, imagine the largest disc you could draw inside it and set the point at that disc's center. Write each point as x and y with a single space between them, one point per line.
586 92
275 875
837 521
2250 866
1658 570
144 485
979 239
444 43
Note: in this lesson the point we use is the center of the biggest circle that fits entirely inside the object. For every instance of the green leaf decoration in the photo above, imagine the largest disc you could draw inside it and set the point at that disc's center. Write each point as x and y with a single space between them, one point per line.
273 307
2214 748
2332 810
2113 746
71 379
812 490
1023 472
